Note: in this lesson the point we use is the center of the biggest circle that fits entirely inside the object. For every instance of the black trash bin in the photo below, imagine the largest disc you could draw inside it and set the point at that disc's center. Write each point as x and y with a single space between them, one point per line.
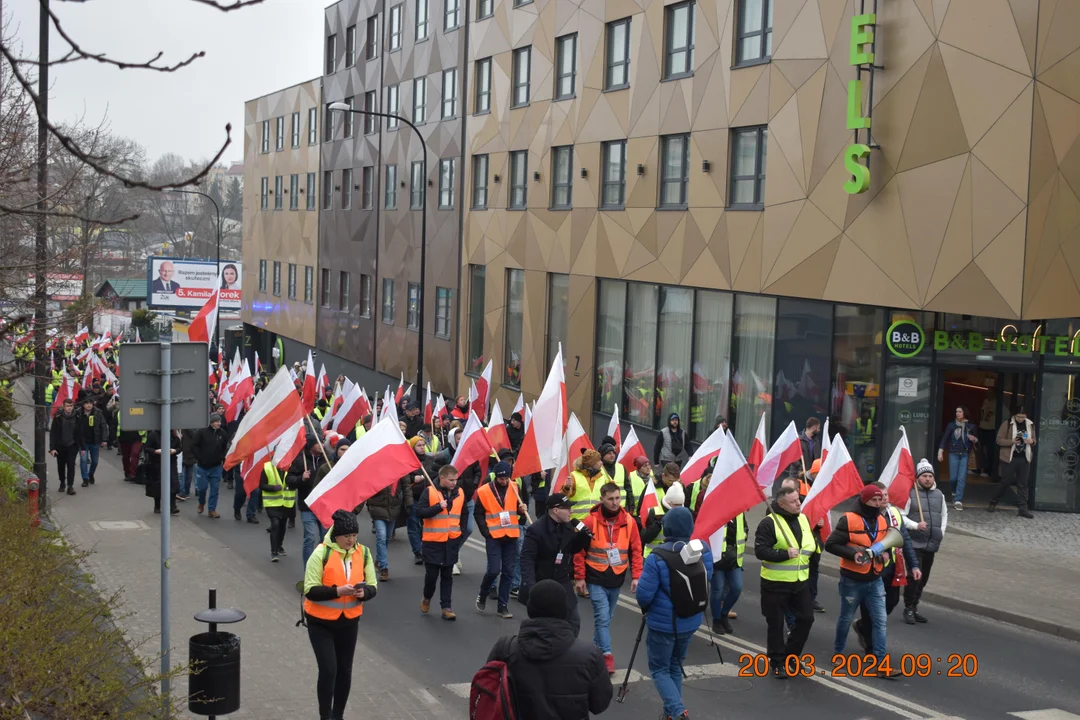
214 680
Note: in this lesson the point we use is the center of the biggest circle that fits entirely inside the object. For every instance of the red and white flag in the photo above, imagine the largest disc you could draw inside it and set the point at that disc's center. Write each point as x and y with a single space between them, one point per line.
309 385
757 447
786 450
473 444
826 441
389 409
252 468
428 408
496 432
699 461
138 338
204 323
353 409
837 481
258 365
321 383
275 409
290 445
899 473
577 442
519 406
243 389
400 390
483 392
649 500
440 407
374 462
548 426
408 391
82 336
613 429
630 451
732 490
65 391
213 378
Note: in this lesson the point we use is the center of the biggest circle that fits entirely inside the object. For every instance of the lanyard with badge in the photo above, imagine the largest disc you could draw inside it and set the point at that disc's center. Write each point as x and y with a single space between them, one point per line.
504 516
614 557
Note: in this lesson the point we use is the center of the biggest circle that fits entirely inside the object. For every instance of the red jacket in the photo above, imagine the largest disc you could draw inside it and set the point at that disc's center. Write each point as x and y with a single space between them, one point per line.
623 527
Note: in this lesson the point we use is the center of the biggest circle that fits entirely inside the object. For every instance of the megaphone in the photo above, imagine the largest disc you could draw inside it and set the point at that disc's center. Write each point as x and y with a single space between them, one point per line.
893 539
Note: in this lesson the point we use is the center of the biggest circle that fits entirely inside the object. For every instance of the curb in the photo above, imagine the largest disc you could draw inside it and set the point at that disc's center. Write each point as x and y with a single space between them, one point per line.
993 613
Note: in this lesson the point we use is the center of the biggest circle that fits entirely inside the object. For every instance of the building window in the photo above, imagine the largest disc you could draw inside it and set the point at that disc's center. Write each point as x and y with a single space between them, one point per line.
515 315
522 57
371 122
442 312
279 133
752 364
562 176
264 193
558 314
388 301
449 93
367 187
392 108
674 170
519 3
480 182
710 392
277 279
343 290
348 119
412 310
295 129
294 192
447 170
565 66
477 281
310 191
371 50
419 90
328 124
613 191
328 189
262 276
292 281
617 65
309 281
350 46
279 187
519 169
679 50
421 20
395 28
451 15
675 330
265 144
753 40
483 86
610 342
346 188
331 54
748 147
485 9
365 295
390 195
324 289
416 185
312 126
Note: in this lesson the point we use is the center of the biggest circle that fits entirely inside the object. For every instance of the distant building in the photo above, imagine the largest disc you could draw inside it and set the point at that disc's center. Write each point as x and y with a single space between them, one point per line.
123 293
236 170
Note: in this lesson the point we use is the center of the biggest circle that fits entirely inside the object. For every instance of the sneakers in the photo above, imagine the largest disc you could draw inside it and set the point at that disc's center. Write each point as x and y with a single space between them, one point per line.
1025 513
280 552
86 483
448 614
726 624
236 515
273 557
818 607
992 506
718 627
179 497
984 474
481 602
425 605
384 574
957 505
918 618
70 490
909 616
505 614
457 568
253 520
609 663
418 559
200 508
514 593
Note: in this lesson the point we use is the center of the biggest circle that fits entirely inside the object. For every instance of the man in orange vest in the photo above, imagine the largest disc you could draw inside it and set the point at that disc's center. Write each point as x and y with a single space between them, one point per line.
601 567
442 513
498 512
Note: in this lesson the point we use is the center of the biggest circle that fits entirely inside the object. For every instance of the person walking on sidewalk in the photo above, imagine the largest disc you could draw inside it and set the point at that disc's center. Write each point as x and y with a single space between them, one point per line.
152 447
499 514
958 440
338 579
93 435
64 444
927 530
209 447
615 546
305 483
187 475
670 446
727 580
384 508
131 442
1015 439
442 512
278 500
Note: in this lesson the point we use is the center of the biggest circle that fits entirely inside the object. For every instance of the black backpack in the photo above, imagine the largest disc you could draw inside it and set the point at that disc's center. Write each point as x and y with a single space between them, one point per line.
689 584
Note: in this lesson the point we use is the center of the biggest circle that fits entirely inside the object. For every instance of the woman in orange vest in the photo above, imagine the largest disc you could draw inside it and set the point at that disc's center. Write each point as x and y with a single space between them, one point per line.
338 580
442 512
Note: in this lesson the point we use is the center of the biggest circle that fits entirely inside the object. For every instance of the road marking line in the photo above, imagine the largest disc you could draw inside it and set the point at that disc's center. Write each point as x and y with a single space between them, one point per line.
1051 714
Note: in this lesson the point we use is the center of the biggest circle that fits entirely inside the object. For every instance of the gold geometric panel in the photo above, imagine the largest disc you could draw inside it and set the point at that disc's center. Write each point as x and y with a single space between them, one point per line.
1000 150
936 130
1001 258
1062 120
854 276
985 28
982 89
879 232
993 206
971 293
927 195
809 278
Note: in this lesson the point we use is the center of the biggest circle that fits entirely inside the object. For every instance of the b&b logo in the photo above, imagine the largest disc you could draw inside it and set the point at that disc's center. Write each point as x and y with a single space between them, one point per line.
905 338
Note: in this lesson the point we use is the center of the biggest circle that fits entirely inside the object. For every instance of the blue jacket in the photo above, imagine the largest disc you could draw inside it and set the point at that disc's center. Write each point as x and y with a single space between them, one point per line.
654 593
964 444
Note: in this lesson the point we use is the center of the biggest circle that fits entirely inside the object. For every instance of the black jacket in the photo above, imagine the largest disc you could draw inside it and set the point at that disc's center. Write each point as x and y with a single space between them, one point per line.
516 436
209 446
92 432
838 540
555 675
187 442
765 538
545 539
441 553
153 465
413 426
64 431
294 478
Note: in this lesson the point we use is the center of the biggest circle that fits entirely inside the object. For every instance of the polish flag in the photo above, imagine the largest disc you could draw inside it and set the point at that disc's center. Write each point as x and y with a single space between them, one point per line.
290 445
519 406
408 391
205 322
374 462
630 451
428 409
786 450
613 429
352 411
528 416
65 391
473 444
309 385
292 374
335 403
251 469
234 365
577 442
474 394
837 481
389 409
826 441
757 447
649 499
440 407
258 365
899 473
212 375
528 457
732 491
275 409
138 339
400 390
699 461
82 336
483 389
548 426
496 432
321 383
243 389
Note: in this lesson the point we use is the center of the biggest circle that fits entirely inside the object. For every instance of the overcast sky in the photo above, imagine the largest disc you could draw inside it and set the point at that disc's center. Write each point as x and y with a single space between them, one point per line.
249 53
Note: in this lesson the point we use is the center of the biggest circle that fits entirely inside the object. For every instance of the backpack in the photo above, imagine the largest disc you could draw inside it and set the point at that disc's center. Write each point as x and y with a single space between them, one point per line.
689 584
491 696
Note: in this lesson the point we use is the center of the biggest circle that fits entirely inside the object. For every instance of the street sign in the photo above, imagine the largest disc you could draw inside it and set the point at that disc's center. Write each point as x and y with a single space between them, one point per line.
140 384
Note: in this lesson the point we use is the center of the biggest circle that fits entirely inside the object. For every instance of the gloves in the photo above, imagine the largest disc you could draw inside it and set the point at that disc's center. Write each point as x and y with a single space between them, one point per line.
877 548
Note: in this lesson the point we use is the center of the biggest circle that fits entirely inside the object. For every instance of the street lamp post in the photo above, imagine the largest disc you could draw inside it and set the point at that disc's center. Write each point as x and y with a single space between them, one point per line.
343 107
217 213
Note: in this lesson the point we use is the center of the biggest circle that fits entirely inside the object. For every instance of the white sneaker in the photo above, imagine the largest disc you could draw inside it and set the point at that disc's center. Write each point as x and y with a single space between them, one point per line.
984 474
958 505
457 568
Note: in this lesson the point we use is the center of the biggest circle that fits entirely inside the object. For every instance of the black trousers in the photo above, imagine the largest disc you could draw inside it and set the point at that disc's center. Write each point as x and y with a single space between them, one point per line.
334 650
1015 473
279 523
913 590
865 627
65 465
574 618
774 607
444 575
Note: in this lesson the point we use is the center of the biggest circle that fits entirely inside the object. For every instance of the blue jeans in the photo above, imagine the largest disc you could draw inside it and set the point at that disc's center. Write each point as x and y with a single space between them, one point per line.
468 510
516 582
958 465
415 526
502 557
666 652
207 478
725 592
240 497
852 595
187 479
383 529
313 532
88 460
604 602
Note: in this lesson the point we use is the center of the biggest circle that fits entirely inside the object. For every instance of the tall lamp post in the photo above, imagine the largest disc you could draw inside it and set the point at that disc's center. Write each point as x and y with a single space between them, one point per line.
217 213
343 107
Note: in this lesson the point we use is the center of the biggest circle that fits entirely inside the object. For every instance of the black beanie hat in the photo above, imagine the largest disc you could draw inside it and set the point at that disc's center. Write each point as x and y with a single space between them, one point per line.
344 524
547 599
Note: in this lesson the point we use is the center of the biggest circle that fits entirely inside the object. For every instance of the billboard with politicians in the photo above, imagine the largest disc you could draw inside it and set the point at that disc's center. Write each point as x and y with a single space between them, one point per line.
184 284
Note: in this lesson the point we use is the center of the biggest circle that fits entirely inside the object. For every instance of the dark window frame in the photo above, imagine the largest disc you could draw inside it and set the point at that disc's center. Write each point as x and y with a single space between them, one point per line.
262 276
451 11
683 181
452 99
567 182
324 287
425 24
388 303
620 183
346 188
371 39
291 282
328 190
309 282
393 106
485 9
344 289
562 73
417 186
478 188
669 40
444 298
264 193
482 101
371 122
350 45
516 83
365 296
420 82
294 192
609 52
446 189
764 35
279 192
367 187
276 279
760 155
295 119
311 202
313 126
521 156
412 307
397 14
390 191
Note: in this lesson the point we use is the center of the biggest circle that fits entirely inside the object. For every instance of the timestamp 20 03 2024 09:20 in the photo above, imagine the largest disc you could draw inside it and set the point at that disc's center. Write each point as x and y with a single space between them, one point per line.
910 665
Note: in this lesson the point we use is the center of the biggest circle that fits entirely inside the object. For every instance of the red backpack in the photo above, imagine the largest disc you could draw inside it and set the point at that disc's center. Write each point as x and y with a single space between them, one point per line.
491 696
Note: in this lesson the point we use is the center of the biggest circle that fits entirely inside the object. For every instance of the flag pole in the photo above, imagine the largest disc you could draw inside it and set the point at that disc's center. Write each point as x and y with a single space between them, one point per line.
918 501
312 426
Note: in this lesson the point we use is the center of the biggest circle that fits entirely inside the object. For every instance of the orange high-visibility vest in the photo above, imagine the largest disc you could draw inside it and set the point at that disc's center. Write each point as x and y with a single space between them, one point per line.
860 538
334 575
447 524
596 556
493 512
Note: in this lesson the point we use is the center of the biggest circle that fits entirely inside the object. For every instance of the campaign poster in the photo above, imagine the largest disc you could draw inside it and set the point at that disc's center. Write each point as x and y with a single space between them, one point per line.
185 284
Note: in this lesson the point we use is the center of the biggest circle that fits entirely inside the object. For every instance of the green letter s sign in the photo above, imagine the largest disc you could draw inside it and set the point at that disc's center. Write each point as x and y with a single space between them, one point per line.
905 338
860 174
